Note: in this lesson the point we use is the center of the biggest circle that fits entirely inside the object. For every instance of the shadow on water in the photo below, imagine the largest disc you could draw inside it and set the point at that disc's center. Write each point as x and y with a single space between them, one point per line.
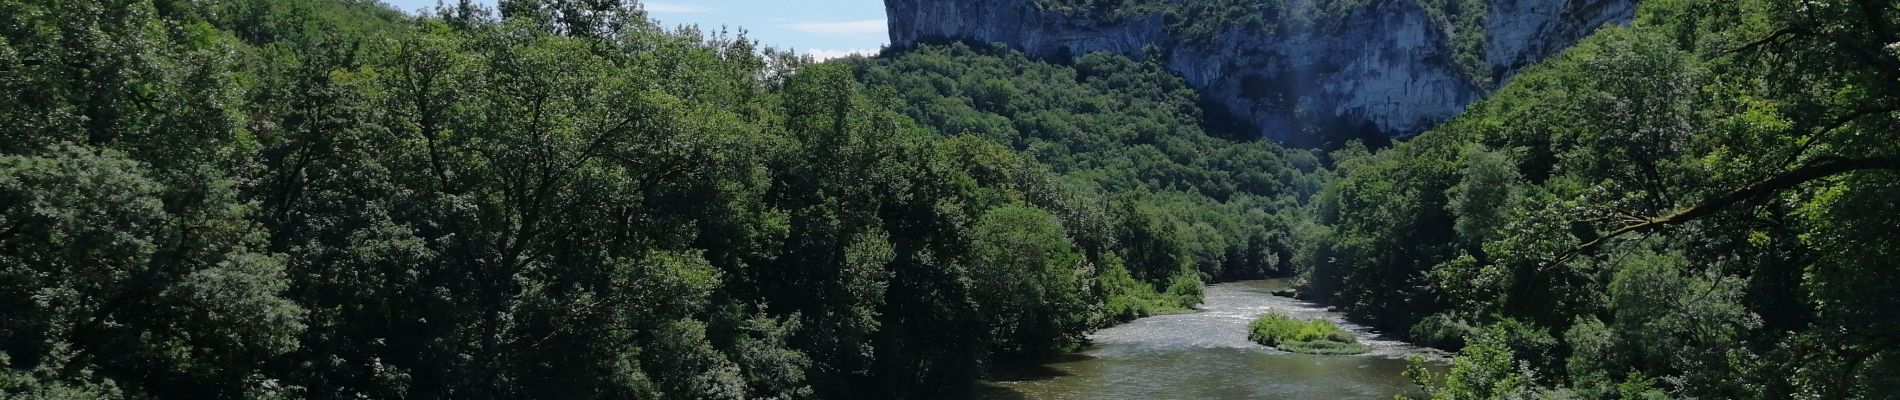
1206 355
991 391
1051 369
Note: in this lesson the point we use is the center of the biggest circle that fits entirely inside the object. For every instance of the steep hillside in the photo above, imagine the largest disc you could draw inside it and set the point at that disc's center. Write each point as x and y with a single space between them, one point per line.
1705 204
1130 129
1301 72
264 199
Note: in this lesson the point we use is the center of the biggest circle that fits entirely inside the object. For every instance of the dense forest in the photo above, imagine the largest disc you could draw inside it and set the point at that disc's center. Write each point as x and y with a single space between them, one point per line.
1700 205
1125 130
559 199
331 199
1197 23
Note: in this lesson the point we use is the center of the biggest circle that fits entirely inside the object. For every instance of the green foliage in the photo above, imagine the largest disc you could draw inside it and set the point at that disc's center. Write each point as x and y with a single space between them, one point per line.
1440 330
1464 23
1656 194
1028 281
1200 23
1126 298
1668 323
333 199
1315 336
773 368
1185 289
1487 368
43 384
1130 134
1479 200
104 276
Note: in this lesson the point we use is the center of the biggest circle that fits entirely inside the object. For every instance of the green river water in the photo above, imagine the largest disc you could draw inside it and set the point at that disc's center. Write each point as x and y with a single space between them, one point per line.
1206 355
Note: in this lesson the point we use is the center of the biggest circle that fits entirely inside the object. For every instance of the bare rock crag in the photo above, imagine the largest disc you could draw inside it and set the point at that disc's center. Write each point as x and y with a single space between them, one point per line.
1385 67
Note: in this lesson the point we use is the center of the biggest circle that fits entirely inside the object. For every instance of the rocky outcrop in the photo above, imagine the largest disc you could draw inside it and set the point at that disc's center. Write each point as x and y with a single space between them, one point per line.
1519 33
1386 67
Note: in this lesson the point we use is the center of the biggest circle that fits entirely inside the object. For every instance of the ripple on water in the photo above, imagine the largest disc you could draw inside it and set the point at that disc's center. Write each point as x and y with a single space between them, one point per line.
1206 355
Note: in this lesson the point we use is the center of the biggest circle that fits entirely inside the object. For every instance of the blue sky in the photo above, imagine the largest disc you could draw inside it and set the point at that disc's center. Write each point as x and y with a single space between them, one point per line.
823 28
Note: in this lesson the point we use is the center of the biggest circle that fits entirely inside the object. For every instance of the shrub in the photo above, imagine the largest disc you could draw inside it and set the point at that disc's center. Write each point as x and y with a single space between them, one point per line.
1126 298
1186 288
1314 336
1441 331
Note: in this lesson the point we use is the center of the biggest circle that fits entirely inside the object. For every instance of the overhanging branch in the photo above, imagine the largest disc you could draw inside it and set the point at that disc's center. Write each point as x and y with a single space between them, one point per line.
1812 172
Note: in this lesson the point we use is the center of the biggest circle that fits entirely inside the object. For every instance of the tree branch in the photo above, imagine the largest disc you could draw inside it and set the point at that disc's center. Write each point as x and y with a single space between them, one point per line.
1810 173
1809 141
1772 37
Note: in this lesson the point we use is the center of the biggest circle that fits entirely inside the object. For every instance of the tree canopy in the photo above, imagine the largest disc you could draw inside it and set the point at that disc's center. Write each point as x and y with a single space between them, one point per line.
1685 207
553 199
562 199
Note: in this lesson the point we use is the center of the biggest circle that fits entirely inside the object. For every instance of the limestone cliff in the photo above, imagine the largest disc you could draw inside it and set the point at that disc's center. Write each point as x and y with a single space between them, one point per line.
1386 66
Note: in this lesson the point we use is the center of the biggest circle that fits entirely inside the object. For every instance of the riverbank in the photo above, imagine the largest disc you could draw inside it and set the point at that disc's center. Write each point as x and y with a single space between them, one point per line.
1206 355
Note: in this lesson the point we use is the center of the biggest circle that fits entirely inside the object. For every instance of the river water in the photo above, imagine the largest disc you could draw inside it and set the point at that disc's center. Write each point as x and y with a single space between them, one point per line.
1206 355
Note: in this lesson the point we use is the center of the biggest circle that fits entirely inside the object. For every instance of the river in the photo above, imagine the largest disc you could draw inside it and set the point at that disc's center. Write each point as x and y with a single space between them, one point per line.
1206 355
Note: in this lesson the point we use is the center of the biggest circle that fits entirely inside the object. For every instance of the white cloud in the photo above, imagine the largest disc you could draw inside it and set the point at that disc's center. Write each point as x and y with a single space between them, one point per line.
850 28
670 8
827 54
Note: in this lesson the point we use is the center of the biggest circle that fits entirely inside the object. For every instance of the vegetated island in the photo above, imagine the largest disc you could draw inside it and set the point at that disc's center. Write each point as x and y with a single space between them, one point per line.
1311 336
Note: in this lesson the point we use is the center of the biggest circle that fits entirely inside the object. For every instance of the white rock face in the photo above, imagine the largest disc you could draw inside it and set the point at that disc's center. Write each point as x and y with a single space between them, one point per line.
1383 68
1519 33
